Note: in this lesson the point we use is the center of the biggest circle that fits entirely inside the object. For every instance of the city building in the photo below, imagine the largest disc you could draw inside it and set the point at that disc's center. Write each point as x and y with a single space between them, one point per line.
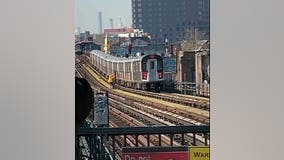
116 31
100 23
85 36
170 19
193 65
111 23
118 36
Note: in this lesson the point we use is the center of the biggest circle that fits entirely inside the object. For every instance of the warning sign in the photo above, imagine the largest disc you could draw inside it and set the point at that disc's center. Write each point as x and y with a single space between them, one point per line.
199 153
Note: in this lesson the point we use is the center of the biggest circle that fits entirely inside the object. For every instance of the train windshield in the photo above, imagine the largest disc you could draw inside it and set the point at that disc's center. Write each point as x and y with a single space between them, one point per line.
152 65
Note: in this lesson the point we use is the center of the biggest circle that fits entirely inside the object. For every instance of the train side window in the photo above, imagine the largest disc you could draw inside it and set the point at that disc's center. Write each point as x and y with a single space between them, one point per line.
136 64
127 66
152 65
133 66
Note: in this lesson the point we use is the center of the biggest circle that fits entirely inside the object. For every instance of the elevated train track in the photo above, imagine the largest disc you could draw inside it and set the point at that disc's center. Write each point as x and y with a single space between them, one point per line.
198 115
192 101
144 110
150 120
179 114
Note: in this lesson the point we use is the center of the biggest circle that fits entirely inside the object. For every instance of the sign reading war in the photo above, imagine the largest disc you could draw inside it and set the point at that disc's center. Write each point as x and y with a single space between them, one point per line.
199 153
100 110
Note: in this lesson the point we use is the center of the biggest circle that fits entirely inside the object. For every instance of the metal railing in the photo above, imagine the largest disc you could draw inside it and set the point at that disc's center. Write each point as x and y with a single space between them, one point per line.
102 143
190 88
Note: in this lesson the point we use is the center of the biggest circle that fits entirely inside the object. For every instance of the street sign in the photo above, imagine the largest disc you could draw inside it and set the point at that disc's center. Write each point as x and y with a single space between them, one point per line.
100 110
199 153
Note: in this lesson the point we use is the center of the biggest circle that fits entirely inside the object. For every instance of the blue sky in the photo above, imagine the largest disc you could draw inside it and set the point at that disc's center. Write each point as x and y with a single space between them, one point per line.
86 13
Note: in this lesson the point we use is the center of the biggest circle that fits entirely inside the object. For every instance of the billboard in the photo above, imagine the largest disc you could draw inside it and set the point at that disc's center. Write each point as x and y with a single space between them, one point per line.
169 64
100 110
155 153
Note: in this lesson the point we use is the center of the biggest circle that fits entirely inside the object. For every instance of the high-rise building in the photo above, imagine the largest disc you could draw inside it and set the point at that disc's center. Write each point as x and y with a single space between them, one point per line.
111 23
170 19
78 31
120 25
100 23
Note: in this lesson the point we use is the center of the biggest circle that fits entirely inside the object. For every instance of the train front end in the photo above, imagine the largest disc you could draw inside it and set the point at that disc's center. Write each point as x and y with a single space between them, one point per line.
152 71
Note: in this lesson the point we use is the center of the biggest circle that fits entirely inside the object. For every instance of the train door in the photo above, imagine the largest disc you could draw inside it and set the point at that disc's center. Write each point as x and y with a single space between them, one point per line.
152 69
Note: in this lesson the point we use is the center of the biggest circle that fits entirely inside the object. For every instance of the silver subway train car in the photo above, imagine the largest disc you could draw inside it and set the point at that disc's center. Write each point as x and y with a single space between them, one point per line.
141 72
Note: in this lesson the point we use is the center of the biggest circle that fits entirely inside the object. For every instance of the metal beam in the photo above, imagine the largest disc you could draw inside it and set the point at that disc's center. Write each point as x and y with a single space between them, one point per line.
144 130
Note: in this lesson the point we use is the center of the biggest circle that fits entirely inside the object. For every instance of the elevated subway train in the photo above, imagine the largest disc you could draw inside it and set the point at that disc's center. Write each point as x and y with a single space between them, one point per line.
141 72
